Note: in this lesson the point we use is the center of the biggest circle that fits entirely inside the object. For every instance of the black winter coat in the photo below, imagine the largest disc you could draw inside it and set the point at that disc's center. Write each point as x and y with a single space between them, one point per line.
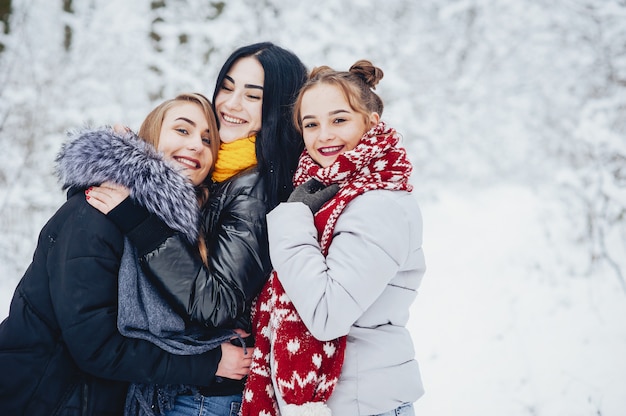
60 350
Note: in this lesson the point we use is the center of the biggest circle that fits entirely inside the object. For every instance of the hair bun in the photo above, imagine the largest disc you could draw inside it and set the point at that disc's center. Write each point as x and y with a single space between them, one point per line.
320 70
369 73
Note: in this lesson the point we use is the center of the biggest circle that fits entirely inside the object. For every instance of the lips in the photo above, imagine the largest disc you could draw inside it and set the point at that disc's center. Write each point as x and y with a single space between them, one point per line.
233 120
188 162
330 150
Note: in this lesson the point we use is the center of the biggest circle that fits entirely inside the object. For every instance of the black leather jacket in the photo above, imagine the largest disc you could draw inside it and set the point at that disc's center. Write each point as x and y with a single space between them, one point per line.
221 294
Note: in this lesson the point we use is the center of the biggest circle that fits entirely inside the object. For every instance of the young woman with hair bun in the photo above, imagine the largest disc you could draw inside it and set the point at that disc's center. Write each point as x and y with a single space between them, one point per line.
346 248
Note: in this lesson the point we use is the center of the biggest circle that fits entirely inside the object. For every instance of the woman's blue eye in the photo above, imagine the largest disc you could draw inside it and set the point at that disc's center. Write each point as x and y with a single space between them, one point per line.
206 141
183 131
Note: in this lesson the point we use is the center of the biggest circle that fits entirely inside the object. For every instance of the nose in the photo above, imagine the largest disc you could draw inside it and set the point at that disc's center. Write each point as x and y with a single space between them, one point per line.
326 133
195 143
233 102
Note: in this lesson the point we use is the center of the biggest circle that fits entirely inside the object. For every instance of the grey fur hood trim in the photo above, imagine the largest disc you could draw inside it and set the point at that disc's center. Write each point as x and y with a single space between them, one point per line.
93 156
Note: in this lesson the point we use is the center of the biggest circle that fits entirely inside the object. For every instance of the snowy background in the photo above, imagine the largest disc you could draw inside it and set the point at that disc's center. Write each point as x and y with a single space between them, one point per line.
513 112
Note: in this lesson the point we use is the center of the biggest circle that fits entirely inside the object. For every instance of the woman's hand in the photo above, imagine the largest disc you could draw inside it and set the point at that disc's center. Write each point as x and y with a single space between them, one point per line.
235 363
106 196
313 194
121 129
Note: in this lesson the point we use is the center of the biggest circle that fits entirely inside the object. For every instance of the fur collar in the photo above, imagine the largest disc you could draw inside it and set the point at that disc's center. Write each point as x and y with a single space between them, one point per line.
91 157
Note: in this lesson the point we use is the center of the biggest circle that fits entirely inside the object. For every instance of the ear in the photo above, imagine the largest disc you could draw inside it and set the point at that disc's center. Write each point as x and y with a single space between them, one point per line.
374 119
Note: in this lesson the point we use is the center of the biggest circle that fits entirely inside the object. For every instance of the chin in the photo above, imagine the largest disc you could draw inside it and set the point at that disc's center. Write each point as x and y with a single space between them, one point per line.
230 135
326 162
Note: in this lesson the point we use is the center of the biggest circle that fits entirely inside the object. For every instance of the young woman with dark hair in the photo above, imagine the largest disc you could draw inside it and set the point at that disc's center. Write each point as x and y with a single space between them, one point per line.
278 143
258 154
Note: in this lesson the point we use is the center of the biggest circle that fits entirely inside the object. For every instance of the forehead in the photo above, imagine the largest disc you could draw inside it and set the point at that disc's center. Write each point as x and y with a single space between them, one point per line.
324 96
247 70
185 109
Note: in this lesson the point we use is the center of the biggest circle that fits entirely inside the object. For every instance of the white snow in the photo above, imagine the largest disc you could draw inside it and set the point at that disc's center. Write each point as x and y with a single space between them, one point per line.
513 115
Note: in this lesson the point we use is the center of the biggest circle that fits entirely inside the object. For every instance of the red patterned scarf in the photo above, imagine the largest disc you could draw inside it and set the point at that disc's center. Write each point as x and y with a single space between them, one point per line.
286 355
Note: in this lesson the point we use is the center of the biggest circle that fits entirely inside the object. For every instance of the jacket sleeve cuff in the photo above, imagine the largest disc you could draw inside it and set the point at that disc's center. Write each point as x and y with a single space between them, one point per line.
128 215
145 230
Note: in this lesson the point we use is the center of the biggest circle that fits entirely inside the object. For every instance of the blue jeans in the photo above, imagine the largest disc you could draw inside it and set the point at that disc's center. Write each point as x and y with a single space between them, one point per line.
404 410
206 406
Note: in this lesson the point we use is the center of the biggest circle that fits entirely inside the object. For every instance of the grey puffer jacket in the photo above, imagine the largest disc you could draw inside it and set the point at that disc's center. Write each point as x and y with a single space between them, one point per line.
362 289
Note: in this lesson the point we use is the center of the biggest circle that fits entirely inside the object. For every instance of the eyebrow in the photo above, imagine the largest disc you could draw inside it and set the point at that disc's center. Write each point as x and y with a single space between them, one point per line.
257 87
192 123
187 120
330 113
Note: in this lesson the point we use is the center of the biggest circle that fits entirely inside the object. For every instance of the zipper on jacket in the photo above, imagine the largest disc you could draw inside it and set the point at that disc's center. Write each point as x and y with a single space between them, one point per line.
85 399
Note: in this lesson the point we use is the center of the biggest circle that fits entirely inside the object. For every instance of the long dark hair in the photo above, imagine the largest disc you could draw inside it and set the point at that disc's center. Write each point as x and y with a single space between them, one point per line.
278 144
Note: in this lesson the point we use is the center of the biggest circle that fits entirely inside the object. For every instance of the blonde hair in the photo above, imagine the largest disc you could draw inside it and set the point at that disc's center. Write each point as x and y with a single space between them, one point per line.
150 131
357 85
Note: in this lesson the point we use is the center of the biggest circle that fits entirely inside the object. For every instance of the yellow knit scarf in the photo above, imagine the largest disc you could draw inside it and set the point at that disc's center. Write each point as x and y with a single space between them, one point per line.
234 157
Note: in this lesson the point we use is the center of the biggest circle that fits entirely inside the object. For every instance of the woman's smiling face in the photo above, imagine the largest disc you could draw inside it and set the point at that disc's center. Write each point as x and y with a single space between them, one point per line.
239 101
329 125
185 141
